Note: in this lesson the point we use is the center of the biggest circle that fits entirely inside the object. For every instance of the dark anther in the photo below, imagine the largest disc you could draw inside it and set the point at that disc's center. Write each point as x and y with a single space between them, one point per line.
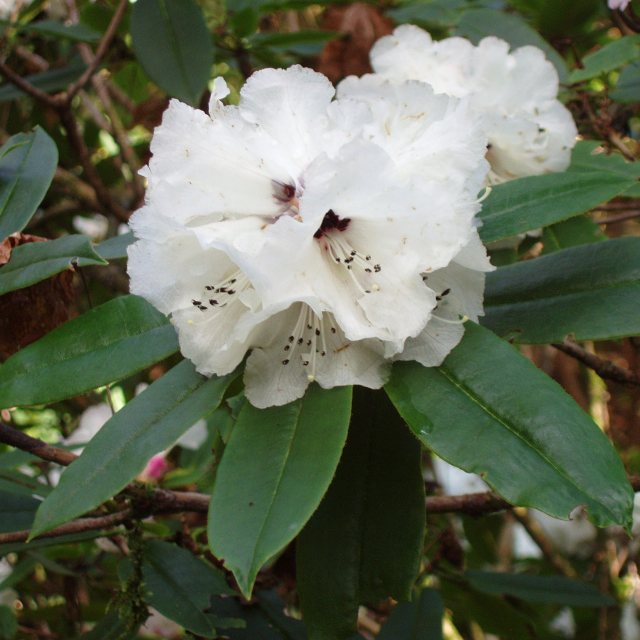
290 338
333 329
331 221
305 363
300 340
317 332
196 303
287 347
446 292
285 362
213 303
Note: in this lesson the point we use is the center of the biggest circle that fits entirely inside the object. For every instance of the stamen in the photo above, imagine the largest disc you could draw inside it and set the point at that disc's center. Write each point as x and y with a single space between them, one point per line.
237 278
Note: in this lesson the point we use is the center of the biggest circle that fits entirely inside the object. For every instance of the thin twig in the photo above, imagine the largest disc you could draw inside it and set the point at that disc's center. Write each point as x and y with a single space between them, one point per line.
621 217
11 76
145 501
103 46
75 526
555 559
19 440
604 368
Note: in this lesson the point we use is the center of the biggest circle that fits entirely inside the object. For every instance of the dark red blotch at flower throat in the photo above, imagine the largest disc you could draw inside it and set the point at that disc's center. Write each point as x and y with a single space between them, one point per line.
330 222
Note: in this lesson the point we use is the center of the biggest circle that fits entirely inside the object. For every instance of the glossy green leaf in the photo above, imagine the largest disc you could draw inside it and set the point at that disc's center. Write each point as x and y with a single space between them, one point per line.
571 233
479 23
59 30
364 542
417 620
529 440
180 585
300 42
440 12
288 456
568 293
115 248
8 622
108 343
36 261
47 81
111 627
17 511
174 46
150 423
27 164
537 201
628 86
492 613
263 618
610 57
589 156
546 589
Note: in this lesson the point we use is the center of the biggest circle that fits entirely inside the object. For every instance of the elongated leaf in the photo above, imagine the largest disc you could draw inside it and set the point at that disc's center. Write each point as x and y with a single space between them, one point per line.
180 585
417 620
364 542
8 622
288 456
27 164
105 344
610 57
479 23
17 511
628 85
48 81
115 248
568 292
571 233
493 613
173 45
111 627
36 261
549 589
58 30
537 201
589 156
151 422
489 410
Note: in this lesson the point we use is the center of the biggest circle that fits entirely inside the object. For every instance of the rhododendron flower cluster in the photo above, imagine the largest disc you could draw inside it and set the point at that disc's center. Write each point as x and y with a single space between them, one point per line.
530 132
323 237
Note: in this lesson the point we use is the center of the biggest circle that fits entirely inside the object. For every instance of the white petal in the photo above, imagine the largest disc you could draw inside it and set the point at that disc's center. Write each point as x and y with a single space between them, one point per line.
433 345
290 105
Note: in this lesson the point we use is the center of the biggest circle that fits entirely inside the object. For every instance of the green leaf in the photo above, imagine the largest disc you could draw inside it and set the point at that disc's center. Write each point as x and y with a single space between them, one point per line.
47 81
537 201
58 30
610 57
17 511
479 23
116 248
151 422
27 164
8 623
111 627
417 620
174 46
288 456
530 441
492 613
545 589
571 233
364 542
300 42
589 156
36 261
180 585
628 86
108 343
568 292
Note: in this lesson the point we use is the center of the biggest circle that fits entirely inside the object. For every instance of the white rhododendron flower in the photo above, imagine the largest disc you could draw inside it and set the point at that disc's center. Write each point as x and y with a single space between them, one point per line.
530 132
322 236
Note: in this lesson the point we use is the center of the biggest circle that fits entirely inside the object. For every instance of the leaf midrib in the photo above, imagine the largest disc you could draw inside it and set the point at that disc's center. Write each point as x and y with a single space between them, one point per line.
502 421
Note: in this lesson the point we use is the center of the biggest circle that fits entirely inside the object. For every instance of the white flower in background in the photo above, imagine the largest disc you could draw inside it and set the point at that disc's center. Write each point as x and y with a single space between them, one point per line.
530 132
299 228
620 5
7 596
10 8
95 226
